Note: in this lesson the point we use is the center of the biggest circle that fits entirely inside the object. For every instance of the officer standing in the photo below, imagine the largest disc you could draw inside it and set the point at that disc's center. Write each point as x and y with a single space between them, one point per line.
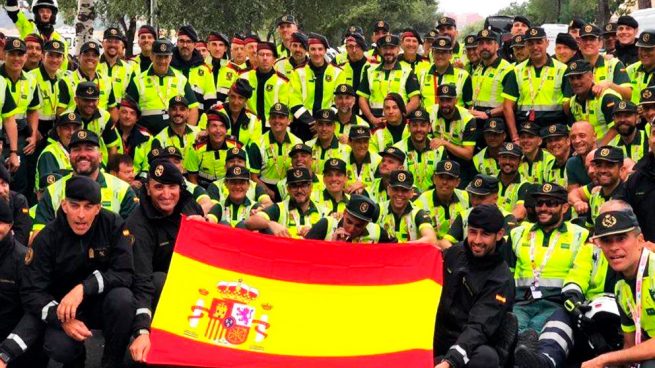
326 145
301 157
633 141
345 100
641 71
154 226
363 163
356 226
153 88
477 296
472 54
494 133
608 162
626 34
286 27
392 159
179 132
535 159
112 65
47 80
246 126
297 55
77 277
136 139
448 27
146 39
356 65
566 48
55 157
333 199
441 72
410 41
609 39
395 128
236 66
217 45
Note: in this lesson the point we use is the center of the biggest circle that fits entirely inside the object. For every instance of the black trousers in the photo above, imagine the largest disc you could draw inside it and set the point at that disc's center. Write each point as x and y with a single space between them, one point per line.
112 312
484 356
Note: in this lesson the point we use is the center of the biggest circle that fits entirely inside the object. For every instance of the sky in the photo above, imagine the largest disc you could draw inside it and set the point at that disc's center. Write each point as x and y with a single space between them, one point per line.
482 7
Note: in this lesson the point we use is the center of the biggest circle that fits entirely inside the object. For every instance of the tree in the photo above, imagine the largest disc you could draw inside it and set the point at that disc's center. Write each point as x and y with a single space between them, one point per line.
86 15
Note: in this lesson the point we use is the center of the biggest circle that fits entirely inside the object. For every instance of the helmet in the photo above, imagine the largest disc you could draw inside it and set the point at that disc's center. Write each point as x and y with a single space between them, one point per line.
605 335
52 4
603 306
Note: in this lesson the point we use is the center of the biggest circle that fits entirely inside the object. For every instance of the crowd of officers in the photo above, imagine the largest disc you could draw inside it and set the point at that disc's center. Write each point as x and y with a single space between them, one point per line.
510 160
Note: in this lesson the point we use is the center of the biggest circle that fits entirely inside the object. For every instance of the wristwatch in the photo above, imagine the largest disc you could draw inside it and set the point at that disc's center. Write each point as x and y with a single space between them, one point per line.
142 331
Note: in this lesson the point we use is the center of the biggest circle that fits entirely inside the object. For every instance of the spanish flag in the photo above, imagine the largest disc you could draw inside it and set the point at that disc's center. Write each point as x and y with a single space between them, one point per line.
239 299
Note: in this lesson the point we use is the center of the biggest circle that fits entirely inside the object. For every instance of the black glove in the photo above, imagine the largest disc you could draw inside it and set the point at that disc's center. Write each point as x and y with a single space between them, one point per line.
577 312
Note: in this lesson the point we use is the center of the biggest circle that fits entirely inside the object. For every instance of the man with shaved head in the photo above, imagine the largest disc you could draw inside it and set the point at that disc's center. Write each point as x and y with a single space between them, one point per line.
583 140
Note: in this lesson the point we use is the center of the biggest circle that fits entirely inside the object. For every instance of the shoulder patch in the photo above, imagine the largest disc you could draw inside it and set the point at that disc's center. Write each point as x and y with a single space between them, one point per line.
501 299
282 76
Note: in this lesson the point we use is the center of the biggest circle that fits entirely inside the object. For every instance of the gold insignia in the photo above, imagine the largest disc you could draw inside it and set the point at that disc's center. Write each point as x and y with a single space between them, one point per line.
391 150
533 32
113 31
363 208
178 99
477 183
71 116
326 114
334 162
297 174
470 39
298 146
588 28
418 113
285 18
16 43
492 124
647 94
604 152
159 170
402 177
92 45
56 45
608 27
443 20
622 105
608 220
155 152
360 130
237 170
547 188
162 47
126 232
235 150
573 66
277 107
29 256
388 38
50 179
485 33
171 150
343 88
445 89
509 146
442 42
90 91
81 134
552 129
448 166
646 37
432 34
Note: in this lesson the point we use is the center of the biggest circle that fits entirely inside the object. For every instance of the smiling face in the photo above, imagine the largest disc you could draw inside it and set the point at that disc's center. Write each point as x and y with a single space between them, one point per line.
530 143
582 137
301 159
647 57
607 173
335 181
590 46
581 83
65 132
300 192
409 45
445 184
559 146
419 130
112 46
493 139
317 54
179 114
509 164
360 147
15 60
549 211
237 189
216 130
85 158
325 130
164 197
390 53
622 251
399 197
80 214
482 242
278 123
626 34
625 122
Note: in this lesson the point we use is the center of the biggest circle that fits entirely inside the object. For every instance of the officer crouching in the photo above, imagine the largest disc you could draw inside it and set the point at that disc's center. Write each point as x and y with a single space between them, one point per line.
77 277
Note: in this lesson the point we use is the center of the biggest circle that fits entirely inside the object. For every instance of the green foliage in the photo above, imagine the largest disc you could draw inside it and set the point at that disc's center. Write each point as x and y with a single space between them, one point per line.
560 11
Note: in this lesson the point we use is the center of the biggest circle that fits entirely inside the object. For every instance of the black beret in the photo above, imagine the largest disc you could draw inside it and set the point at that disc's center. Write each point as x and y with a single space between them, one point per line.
83 188
318 38
566 39
165 172
219 115
626 20
146 28
522 19
381 25
189 31
242 87
576 23
359 40
486 217
300 38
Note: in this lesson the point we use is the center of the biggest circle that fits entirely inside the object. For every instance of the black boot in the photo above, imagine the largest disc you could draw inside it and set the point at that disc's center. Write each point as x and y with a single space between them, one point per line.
526 358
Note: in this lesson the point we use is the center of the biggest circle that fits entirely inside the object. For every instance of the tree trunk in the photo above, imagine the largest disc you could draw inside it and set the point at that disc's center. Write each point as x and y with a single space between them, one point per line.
603 12
129 35
84 24
643 4
559 10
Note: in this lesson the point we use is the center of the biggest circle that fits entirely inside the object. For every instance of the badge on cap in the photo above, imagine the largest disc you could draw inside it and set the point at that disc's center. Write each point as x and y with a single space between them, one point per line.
519 39
363 208
552 129
432 34
277 107
646 37
334 162
162 47
81 134
492 124
477 183
50 179
443 20
604 152
388 38
171 150
56 45
326 114
237 170
509 146
573 66
71 116
391 150
533 32
90 91
418 113
155 152
608 27
402 177
113 31
297 173
343 88
622 105
360 131
352 29
445 89
235 150
16 43
608 220
485 33
159 170
470 39
442 42
297 147
448 166
285 18
588 28
92 45
646 93
547 188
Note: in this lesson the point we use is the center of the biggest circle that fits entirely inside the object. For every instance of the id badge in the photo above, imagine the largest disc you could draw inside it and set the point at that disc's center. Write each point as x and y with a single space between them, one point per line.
165 116
536 293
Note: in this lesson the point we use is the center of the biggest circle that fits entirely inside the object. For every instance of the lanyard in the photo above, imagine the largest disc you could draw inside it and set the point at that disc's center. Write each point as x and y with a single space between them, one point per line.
544 76
162 96
241 215
279 167
537 271
635 308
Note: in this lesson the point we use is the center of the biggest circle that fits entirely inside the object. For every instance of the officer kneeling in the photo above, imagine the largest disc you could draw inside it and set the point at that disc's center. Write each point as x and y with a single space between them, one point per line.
473 326
77 277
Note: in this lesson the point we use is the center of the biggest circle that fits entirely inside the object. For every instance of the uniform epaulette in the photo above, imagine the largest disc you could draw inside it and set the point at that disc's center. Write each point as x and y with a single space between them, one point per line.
250 111
373 60
282 76
144 131
199 145
279 59
242 71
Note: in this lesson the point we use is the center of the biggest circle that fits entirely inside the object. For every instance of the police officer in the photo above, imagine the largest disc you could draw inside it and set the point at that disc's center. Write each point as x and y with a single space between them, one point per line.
380 29
55 157
345 100
179 132
478 291
154 226
542 255
448 27
441 72
512 187
608 162
390 76
537 90
410 41
641 72
146 38
326 145
494 133
77 276
297 55
444 202
269 86
217 44
535 159
294 216
626 34
48 87
399 217
363 163
286 27
146 89
472 54
301 157
136 139
609 38
356 226
236 66
188 61
557 142
633 141
356 64
112 65
333 199
566 48
117 196
395 128
620 238
392 159
520 51
236 206
246 126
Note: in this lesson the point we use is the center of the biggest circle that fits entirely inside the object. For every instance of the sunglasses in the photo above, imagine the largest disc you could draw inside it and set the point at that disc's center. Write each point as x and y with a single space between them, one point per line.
303 184
548 202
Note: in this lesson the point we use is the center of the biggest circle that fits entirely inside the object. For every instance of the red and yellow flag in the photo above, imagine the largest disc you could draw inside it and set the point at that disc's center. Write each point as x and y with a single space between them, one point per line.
239 299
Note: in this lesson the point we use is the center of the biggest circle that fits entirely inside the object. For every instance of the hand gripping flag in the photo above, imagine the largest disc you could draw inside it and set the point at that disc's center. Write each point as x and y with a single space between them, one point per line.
239 299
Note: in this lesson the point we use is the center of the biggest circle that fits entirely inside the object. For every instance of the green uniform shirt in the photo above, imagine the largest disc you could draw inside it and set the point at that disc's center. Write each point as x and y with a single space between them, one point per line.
48 90
312 89
269 158
387 137
485 164
328 205
420 163
636 149
53 159
336 149
442 215
120 74
184 143
460 129
25 94
625 291
535 171
365 172
596 110
208 162
640 79
268 89
379 82
26 27
287 214
459 77
68 84
513 194
405 227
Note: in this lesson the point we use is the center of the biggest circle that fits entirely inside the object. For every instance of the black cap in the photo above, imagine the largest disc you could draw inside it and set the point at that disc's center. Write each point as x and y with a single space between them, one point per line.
554 130
315 37
112 32
430 35
325 115
389 40
90 46
530 128
471 41
48 179
242 87
381 25
354 29
359 39
84 136
394 152
178 100
626 20
487 34
237 173
87 91
522 19
165 152
496 125
448 167
419 115
298 175
446 21
647 95
486 217
590 30
646 39
286 19
219 115
551 190
483 185
510 149
576 23
359 132
447 90
579 67
442 43
162 46
279 109
401 178
335 164
15 44
54 46
615 222
83 188
535 33
566 39
361 207
6 214
69 118
611 154
345 89
234 153
165 172
609 28
517 40
189 31
300 147
625 106
4 174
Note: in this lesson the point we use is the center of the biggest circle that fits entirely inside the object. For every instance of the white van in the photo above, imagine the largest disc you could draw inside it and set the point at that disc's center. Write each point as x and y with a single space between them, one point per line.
645 18
552 30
